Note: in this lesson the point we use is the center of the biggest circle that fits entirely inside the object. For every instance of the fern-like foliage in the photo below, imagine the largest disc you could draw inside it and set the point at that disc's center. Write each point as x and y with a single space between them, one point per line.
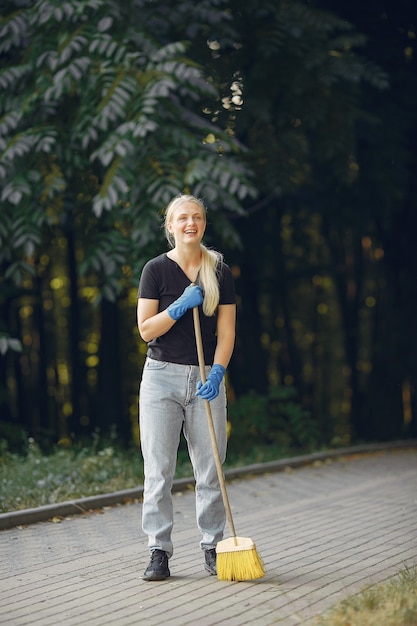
100 114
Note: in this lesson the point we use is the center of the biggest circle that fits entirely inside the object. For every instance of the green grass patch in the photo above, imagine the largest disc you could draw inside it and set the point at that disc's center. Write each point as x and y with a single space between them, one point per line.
393 603
37 479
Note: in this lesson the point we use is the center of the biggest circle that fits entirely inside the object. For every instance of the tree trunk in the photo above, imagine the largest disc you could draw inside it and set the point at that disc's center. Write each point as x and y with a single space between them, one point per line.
112 408
76 425
248 367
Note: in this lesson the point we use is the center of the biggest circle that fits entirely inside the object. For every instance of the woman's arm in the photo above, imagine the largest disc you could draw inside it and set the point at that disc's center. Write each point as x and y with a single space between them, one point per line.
152 324
226 330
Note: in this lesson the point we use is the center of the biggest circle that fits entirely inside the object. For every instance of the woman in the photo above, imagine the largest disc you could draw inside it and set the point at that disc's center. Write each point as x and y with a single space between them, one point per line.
171 394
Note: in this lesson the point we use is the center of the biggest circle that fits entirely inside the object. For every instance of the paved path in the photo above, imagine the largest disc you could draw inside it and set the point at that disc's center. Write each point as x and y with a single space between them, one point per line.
324 531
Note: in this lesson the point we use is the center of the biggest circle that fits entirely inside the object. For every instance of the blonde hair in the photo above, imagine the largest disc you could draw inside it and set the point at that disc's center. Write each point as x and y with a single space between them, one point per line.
211 260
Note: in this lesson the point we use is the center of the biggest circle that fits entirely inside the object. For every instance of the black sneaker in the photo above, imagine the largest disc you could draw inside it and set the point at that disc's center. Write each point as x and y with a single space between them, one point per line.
158 566
210 565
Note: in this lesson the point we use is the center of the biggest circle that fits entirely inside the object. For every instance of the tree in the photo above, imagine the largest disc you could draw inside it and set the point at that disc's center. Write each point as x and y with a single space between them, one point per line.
329 116
105 118
303 80
101 124
386 193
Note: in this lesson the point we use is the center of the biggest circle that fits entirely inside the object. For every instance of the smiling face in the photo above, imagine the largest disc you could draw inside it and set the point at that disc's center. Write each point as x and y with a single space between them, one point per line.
186 223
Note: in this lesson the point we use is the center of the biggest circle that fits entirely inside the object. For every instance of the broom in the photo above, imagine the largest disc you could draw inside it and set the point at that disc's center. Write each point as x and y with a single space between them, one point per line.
237 558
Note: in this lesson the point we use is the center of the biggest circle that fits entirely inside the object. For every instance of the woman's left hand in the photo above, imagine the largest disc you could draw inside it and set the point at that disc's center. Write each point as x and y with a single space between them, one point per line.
210 389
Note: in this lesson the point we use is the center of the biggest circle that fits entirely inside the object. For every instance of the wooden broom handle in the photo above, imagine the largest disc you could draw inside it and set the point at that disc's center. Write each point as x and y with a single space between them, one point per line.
201 363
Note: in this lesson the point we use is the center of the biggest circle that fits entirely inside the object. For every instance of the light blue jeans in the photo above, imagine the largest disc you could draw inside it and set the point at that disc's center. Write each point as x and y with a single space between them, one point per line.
167 404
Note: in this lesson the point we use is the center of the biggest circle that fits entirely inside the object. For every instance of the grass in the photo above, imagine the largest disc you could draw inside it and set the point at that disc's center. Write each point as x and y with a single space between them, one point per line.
66 473
393 603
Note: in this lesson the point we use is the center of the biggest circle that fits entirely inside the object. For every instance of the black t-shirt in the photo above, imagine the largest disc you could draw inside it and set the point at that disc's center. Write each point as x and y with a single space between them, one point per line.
162 279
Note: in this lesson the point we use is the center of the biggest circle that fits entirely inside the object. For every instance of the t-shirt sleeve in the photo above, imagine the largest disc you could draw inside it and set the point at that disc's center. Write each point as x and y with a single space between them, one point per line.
148 283
227 286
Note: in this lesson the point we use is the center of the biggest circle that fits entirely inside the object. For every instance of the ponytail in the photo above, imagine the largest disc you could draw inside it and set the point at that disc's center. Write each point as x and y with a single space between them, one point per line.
209 279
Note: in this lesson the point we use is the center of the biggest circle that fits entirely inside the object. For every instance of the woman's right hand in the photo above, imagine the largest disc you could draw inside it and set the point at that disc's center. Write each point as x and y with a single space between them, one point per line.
191 297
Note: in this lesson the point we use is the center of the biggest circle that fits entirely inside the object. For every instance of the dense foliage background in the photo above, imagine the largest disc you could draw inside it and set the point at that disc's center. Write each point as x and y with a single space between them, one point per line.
296 122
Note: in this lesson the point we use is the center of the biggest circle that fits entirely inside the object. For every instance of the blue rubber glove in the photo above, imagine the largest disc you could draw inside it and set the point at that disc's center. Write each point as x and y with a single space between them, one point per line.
191 296
210 389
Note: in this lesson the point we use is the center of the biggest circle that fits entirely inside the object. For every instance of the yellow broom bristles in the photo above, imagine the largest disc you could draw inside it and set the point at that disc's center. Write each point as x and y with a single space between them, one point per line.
237 559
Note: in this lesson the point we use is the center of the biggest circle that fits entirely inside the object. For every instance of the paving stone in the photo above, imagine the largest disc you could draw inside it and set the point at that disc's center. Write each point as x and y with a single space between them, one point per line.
324 530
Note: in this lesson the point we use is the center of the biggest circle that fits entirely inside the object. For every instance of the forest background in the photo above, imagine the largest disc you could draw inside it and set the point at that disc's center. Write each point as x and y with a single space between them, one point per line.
296 123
